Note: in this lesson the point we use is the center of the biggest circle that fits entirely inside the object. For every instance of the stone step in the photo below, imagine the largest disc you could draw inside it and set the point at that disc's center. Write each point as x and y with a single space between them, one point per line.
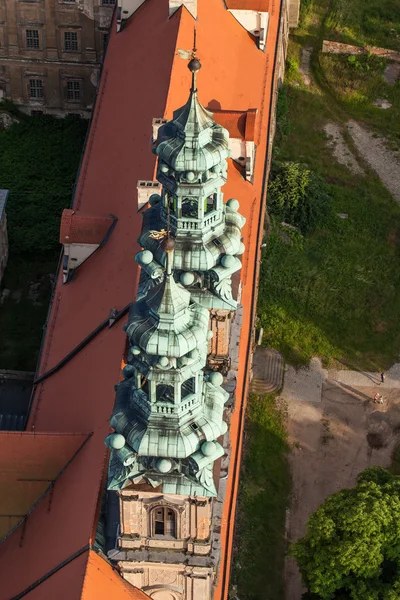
268 367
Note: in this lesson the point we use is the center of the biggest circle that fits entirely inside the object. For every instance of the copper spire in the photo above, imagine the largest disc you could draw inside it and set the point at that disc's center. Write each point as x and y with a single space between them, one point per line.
194 64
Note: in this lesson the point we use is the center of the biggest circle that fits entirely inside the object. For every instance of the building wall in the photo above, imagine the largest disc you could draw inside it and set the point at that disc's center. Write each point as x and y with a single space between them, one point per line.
174 565
67 76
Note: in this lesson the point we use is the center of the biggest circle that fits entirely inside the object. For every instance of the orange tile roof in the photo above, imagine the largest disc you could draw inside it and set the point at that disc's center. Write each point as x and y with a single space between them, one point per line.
240 124
84 577
260 5
84 229
233 120
29 462
143 77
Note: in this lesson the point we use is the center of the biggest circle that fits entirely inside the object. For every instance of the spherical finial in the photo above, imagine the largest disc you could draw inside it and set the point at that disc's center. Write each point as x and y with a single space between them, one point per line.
208 448
168 244
194 65
163 465
216 379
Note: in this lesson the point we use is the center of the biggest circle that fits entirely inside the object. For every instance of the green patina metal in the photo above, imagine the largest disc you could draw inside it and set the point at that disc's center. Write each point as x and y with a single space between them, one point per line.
168 414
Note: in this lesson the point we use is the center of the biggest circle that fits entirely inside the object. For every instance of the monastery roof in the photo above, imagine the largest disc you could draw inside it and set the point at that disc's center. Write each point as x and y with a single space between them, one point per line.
143 77
261 5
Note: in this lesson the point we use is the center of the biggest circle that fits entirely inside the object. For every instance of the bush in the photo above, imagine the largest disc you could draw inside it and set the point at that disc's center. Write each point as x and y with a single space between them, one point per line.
298 196
351 548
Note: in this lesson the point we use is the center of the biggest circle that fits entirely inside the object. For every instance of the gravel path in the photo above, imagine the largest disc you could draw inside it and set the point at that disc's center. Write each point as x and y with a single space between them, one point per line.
380 159
340 150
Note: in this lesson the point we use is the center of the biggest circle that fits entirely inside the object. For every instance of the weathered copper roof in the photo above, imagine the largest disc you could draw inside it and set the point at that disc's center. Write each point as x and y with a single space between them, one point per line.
143 77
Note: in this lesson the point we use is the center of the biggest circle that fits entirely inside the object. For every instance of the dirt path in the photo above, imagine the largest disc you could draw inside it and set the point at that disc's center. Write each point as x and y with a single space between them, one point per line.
374 150
336 431
340 149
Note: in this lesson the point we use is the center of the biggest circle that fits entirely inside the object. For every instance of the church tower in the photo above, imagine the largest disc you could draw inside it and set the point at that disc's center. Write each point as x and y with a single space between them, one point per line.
168 418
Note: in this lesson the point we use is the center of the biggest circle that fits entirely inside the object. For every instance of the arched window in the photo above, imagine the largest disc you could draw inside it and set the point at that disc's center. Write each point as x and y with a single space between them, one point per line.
163 521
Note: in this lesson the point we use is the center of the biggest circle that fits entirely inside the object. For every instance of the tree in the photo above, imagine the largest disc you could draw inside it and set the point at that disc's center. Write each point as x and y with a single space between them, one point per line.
352 545
298 196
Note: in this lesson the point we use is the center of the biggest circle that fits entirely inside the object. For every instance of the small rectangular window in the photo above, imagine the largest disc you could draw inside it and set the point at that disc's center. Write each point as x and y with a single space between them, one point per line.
32 39
36 88
105 39
70 41
108 2
73 90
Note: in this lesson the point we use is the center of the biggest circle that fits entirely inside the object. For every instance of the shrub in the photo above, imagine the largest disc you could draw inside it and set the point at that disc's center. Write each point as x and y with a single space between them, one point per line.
298 196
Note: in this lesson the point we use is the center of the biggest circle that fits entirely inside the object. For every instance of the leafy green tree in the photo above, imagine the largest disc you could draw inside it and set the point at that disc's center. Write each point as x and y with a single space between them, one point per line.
298 196
352 545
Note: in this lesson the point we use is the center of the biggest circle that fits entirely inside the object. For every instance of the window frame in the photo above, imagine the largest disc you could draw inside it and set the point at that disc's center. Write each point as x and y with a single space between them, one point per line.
37 88
33 39
71 41
73 82
173 533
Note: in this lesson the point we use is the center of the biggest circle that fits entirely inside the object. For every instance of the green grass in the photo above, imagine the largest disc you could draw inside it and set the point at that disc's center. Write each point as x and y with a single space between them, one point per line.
365 22
263 499
39 158
335 293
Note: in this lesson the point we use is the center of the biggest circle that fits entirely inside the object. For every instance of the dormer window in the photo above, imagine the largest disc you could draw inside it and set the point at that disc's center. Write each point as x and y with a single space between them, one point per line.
163 522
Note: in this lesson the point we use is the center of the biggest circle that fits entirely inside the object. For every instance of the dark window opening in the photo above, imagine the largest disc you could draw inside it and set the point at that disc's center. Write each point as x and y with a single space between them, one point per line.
70 41
36 88
188 387
32 39
163 521
108 2
73 90
189 208
210 203
165 393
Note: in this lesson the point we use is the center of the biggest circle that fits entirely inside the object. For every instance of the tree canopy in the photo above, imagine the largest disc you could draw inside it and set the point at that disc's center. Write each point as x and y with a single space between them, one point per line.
352 546
298 196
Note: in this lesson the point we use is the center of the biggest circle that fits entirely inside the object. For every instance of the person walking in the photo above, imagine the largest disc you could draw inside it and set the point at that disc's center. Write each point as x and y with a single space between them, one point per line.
382 377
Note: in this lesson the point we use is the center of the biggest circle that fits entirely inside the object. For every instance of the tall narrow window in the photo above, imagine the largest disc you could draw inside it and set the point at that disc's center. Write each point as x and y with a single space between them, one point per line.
163 521
70 41
36 88
32 39
73 90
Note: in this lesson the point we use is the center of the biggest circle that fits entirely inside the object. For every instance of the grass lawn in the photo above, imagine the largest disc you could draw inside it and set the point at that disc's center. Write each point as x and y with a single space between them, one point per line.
364 22
39 158
334 293
264 496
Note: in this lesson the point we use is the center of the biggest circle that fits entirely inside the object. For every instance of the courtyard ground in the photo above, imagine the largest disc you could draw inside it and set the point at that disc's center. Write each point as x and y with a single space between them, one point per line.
335 431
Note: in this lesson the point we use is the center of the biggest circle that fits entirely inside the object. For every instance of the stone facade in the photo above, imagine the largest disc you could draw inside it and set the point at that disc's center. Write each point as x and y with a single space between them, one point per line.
50 53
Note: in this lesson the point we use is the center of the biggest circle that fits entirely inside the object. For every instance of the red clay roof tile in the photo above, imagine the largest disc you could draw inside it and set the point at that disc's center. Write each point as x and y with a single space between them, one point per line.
260 5
79 228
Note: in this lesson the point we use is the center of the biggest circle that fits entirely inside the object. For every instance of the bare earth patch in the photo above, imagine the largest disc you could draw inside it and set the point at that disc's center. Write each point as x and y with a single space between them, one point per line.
340 149
335 433
305 65
374 151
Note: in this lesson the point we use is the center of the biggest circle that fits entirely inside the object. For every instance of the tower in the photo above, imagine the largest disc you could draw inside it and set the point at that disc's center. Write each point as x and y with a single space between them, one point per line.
168 418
